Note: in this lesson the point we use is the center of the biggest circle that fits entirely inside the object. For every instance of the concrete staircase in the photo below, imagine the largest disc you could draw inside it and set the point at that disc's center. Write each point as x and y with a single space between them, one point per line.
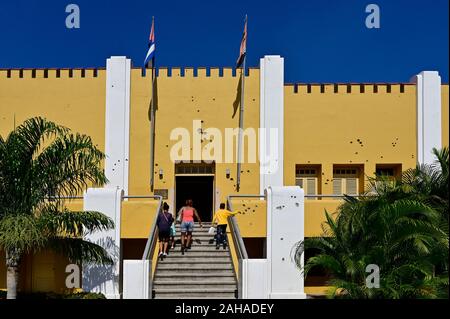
202 272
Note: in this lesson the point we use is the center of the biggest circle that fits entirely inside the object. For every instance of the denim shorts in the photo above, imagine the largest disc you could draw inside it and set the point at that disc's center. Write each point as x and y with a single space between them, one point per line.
187 227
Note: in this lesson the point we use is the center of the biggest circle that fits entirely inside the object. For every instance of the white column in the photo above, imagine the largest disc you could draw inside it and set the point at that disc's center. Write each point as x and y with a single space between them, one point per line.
271 135
137 279
117 126
98 278
254 279
285 228
429 127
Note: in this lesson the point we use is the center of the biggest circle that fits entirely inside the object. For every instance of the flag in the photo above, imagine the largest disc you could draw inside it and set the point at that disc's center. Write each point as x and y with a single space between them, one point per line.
243 49
151 48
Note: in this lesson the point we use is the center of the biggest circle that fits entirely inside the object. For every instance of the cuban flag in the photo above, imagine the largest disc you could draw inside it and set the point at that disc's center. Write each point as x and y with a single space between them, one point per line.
150 57
243 48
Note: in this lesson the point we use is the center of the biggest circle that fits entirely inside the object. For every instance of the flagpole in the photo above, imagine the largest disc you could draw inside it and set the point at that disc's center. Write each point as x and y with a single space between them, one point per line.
241 121
152 126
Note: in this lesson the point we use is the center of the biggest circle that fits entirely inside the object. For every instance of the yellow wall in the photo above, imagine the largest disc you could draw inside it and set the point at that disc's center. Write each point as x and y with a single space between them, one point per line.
252 222
78 103
180 100
137 218
41 272
324 128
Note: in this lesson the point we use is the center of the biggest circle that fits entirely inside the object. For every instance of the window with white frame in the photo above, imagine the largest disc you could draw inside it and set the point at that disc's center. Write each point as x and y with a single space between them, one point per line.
346 180
307 177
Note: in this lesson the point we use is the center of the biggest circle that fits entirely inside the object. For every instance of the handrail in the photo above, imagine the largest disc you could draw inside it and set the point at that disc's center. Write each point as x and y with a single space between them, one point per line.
151 241
63 197
235 232
337 196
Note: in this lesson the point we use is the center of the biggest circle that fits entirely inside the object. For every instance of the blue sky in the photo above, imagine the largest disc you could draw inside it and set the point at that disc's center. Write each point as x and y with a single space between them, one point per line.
321 40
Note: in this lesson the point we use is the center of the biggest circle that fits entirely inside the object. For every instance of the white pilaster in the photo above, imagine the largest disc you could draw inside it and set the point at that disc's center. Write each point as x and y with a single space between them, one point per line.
137 279
285 228
271 135
98 278
429 127
117 126
254 277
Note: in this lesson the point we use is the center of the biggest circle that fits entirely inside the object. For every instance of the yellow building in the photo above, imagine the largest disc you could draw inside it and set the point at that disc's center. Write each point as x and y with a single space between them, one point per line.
329 138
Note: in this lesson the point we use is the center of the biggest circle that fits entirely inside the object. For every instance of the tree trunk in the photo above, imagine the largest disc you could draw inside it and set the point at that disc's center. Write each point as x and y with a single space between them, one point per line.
12 273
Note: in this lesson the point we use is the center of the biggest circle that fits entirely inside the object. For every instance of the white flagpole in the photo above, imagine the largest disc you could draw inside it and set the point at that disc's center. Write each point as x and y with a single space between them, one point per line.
152 124
241 118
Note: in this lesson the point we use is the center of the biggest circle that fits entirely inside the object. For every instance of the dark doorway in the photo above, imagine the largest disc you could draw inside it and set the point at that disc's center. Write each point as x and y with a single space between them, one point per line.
200 190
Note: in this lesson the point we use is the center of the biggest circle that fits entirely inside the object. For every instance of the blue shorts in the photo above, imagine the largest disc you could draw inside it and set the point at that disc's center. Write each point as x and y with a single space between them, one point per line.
187 227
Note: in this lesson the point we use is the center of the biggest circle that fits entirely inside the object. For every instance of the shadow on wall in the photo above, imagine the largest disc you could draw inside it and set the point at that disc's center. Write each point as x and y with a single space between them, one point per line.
237 101
96 276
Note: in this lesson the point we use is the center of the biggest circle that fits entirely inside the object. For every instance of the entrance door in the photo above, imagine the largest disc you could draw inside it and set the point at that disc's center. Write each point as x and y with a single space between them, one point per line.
198 188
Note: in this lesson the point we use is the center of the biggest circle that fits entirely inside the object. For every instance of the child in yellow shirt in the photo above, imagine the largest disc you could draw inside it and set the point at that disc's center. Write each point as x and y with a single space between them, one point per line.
220 218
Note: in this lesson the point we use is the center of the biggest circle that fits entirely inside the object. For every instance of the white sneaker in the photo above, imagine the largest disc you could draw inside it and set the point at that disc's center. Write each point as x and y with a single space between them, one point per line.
165 254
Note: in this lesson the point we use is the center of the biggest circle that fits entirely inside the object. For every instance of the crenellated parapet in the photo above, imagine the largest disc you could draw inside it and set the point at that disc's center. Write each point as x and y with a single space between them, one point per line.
199 72
347 88
44 73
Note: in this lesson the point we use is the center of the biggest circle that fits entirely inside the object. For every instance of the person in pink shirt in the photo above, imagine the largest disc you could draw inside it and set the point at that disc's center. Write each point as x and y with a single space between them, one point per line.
187 214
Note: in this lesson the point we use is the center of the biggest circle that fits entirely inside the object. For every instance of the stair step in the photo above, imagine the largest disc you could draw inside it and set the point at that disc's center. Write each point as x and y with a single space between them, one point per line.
193 260
197 234
189 290
195 253
205 247
194 267
187 259
194 283
188 275
197 296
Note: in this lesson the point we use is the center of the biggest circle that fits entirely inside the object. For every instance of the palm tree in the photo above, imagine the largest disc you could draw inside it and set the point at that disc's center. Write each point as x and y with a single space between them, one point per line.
40 163
402 229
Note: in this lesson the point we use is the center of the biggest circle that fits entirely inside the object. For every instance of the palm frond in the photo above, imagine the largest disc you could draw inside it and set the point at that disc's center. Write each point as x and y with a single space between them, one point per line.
79 251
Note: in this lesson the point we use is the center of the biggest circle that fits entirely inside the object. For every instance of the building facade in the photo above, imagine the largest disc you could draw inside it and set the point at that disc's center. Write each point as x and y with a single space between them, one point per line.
327 138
